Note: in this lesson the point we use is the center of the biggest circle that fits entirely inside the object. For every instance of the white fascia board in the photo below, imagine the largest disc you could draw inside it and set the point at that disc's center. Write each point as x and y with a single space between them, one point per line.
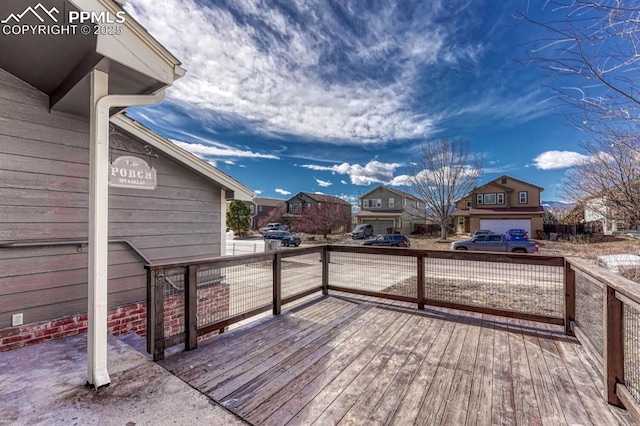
194 163
135 47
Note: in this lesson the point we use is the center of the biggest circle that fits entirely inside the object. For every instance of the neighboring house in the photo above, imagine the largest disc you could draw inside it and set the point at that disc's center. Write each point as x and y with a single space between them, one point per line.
602 216
51 130
499 205
390 210
302 201
261 208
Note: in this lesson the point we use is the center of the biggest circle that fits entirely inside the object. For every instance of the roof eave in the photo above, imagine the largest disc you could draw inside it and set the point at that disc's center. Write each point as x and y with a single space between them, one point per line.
240 192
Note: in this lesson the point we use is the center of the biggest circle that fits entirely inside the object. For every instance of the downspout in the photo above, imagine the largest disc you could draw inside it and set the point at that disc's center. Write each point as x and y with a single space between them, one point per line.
101 103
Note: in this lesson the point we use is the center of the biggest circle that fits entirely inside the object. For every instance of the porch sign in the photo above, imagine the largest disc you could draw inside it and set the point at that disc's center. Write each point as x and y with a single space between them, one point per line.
132 172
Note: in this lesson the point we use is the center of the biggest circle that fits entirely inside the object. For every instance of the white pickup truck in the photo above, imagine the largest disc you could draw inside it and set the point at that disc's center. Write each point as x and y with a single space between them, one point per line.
272 227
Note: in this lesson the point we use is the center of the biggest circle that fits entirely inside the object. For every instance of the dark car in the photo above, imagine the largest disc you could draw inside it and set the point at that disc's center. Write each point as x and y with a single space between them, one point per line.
516 235
287 238
363 230
482 232
390 240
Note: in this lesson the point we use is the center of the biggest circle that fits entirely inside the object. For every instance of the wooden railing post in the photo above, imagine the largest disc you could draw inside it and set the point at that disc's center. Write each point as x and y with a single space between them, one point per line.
155 313
277 283
191 308
613 348
325 270
569 298
420 281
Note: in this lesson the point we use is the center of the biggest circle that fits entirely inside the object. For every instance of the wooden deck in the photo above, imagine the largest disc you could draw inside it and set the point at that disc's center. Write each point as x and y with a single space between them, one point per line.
345 360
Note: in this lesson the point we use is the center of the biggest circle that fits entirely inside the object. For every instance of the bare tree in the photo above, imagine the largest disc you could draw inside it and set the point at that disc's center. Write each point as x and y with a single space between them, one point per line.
608 181
593 58
324 218
445 172
275 215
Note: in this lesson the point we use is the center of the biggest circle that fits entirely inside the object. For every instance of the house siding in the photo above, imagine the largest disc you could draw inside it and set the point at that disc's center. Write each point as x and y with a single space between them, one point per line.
465 222
406 217
44 169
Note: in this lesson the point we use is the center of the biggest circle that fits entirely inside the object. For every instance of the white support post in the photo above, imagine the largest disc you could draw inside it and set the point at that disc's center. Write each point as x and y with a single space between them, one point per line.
98 235
101 103
223 224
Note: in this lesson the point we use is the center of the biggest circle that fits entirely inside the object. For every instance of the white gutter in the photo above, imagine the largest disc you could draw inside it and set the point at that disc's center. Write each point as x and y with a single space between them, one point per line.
101 103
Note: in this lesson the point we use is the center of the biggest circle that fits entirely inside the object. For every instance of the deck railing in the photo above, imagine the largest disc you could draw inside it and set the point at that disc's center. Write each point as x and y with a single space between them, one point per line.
605 316
191 299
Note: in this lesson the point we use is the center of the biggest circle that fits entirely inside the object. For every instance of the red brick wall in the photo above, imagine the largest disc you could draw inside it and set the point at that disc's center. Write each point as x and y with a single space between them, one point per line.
120 320
213 305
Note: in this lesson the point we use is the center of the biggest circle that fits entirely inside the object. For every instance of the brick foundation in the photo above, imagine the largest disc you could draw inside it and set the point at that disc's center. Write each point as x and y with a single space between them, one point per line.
120 320
213 305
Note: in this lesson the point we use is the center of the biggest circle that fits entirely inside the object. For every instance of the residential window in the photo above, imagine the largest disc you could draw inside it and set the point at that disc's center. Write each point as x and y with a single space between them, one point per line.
392 202
489 199
479 199
504 181
500 198
251 207
376 202
405 202
295 207
365 204
469 204
522 197
461 220
259 208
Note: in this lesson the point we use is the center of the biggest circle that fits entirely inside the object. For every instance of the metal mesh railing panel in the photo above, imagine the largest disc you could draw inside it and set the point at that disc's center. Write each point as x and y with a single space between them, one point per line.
301 273
523 288
173 305
249 286
394 275
631 330
589 309
213 296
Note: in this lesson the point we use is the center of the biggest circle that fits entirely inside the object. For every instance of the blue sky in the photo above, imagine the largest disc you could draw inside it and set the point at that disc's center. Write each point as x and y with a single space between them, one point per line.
338 96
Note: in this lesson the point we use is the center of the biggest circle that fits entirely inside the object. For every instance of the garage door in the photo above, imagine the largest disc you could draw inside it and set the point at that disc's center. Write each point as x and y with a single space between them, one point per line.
500 226
380 226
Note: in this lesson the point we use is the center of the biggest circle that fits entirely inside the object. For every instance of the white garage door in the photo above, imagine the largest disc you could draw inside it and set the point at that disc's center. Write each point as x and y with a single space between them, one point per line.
500 226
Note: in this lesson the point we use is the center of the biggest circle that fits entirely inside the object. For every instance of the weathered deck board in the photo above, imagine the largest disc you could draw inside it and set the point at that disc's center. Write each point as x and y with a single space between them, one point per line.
350 360
524 395
479 408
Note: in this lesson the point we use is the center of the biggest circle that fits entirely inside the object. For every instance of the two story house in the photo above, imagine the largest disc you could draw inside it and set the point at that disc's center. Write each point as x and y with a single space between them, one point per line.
303 201
499 205
390 210
261 208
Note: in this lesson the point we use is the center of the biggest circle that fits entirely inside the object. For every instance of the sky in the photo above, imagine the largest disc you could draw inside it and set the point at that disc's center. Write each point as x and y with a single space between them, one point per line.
338 96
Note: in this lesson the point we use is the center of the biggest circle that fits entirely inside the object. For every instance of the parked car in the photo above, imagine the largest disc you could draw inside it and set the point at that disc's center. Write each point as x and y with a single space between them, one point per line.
516 235
390 240
482 232
287 238
272 227
362 231
496 243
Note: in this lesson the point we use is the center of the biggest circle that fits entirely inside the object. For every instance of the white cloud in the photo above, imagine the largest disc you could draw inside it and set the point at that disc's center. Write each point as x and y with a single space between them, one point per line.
254 64
282 191
551 160
429 176
219 150
257 191
372 172
401 180
344 182
323 183
229 162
